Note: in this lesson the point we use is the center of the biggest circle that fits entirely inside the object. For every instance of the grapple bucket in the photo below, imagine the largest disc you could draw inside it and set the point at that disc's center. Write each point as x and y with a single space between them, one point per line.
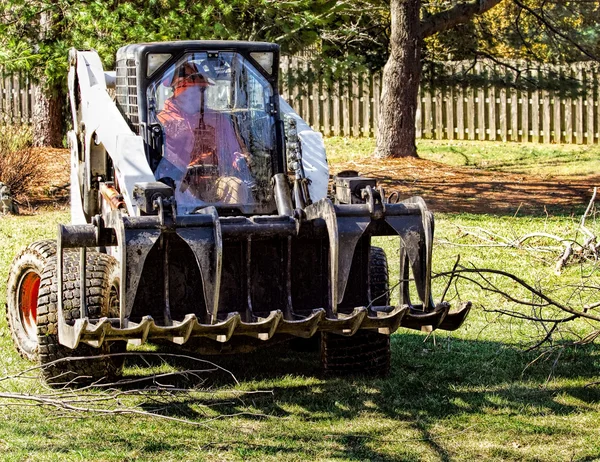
205 275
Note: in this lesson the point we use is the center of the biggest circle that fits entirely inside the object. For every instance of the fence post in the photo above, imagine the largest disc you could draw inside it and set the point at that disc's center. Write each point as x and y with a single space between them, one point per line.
596 75
545 106
450 109
480 108
346 104
568 112
460 105
427 113
336 108
503 114
377 100
525 109
556 107
579 106
535 108
366 105
589 103
491 101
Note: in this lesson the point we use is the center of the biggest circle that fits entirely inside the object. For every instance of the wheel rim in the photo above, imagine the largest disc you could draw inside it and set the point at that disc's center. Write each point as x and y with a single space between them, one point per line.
113 300
28 300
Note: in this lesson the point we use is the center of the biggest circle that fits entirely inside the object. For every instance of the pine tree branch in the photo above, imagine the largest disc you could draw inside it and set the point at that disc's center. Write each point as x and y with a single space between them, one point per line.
458 14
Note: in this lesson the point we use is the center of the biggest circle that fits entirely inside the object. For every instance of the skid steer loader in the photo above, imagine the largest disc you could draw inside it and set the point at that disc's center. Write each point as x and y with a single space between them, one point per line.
201 216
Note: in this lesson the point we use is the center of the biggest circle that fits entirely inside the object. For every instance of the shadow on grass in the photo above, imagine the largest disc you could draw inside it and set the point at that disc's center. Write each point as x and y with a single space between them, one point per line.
427 385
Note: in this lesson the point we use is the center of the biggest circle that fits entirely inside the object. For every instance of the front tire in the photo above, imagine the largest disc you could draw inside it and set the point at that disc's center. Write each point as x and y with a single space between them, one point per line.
102 283
367 352
22 291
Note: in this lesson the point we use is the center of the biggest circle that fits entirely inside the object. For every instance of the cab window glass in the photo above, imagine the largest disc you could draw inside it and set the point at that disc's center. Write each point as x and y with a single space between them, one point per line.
218 130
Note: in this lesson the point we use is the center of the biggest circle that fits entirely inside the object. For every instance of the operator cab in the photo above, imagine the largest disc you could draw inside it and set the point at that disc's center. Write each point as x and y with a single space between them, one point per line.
208 112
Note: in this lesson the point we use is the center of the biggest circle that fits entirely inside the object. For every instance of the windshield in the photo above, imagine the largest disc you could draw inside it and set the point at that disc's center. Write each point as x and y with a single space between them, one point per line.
218 132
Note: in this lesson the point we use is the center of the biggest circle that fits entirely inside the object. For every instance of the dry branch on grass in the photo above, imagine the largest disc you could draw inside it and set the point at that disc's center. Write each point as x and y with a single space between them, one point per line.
538 305
125 397
581 247
552 316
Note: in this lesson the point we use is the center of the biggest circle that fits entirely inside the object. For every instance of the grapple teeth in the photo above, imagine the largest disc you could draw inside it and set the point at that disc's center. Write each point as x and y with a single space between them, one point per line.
263 328
425 320
221 332
304 328
345 324
185 328
142 329
454 319
386 320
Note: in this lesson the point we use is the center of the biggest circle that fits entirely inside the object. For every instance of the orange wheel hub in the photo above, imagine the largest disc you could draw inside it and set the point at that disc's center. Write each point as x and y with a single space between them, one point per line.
28 299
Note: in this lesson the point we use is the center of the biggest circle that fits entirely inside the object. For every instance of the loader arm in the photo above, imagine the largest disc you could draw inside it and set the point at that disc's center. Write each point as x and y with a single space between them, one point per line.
99 133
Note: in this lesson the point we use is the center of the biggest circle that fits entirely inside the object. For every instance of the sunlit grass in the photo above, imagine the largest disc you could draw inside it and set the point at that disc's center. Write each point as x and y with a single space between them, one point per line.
542 160
466 395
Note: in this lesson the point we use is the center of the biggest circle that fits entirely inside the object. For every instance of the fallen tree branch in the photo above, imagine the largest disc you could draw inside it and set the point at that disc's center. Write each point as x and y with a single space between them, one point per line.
570 248
66 406
536 292
112 399
450 279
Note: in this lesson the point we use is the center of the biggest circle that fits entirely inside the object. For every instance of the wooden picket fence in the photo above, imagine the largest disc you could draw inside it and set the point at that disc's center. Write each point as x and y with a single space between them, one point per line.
350 106
16 99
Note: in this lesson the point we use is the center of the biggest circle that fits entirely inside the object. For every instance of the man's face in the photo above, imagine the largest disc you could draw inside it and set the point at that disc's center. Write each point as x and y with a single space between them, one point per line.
189 99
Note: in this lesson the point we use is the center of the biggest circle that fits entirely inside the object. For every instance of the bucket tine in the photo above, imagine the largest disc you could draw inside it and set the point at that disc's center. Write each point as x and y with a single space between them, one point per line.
350 230
289 309
344 233
324 209
416 234
428 226
404 278
207 244
249 310
137 246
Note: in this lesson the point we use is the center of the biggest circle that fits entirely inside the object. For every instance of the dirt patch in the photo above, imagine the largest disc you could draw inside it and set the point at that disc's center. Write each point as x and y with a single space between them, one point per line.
444 188
456 189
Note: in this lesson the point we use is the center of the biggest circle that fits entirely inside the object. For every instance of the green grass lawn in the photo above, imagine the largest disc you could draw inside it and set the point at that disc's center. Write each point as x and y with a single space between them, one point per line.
541 160
466 395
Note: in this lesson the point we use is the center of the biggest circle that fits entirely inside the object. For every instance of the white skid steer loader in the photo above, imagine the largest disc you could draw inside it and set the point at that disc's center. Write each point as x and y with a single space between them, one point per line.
201 216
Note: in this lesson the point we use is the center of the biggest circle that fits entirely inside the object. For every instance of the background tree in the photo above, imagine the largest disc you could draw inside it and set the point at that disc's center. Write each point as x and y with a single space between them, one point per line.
35 36
532 30
413 35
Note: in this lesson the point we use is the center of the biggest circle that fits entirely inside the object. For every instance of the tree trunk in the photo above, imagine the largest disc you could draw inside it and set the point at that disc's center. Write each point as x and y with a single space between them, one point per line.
48 117
401 78
48 101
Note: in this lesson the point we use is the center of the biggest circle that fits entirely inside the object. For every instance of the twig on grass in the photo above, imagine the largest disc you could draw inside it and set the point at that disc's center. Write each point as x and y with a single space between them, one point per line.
46 401
450 278
108 398
570 248
550 301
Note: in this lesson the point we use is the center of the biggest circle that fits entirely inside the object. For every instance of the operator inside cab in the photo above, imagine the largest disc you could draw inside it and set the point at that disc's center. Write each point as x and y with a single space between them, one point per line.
203 154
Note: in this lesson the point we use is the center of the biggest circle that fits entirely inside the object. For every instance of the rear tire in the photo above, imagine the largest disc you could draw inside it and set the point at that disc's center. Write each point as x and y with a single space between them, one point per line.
102 288
367 352
379 281
22 290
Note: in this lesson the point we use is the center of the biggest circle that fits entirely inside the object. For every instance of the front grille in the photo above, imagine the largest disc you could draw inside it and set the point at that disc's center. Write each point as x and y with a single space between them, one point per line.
126 92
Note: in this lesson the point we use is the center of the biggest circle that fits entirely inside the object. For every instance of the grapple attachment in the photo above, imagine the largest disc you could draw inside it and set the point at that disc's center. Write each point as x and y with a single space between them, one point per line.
212 276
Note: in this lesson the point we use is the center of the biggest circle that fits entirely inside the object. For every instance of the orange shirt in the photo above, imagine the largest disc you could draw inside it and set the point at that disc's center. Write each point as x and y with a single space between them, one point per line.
186 143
